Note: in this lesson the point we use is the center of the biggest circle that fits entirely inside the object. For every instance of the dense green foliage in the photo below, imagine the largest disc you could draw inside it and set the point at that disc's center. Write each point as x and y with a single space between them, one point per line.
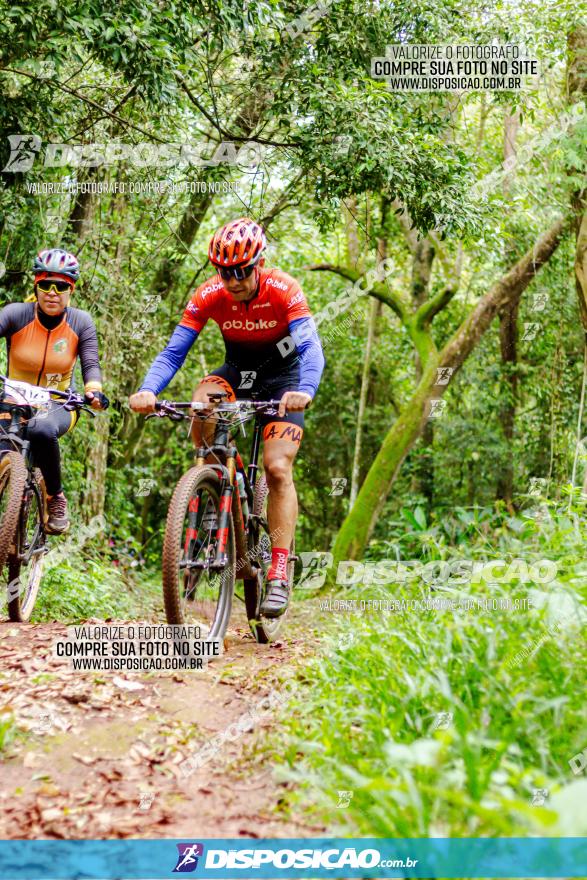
86 587
92 74
371 717
342 172
193 73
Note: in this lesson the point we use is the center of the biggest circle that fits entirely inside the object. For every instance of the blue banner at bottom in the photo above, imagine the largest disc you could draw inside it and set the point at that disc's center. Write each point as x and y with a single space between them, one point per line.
300 857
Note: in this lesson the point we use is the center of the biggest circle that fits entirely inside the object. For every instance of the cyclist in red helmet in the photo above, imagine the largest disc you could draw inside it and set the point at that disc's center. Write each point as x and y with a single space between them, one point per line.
272 350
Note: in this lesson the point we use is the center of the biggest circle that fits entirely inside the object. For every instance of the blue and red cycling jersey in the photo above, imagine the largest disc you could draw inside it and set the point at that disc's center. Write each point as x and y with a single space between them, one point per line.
268 334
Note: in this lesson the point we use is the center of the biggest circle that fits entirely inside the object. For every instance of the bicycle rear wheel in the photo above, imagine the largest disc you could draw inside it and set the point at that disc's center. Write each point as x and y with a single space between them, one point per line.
194 593
25 564
13 474
264 629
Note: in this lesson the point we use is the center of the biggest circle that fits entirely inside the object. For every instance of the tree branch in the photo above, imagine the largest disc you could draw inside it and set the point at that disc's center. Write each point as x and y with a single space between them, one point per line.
86 100
505 291
349 274
226 134
282 202
405 221
378 291
391 299
433 306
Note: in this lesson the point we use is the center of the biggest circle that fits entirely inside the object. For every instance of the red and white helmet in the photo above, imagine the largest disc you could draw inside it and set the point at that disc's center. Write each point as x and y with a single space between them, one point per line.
56 261
239 243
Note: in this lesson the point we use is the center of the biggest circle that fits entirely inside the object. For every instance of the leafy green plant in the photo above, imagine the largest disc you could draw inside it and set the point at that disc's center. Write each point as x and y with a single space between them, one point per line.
8 731
82 588
510 682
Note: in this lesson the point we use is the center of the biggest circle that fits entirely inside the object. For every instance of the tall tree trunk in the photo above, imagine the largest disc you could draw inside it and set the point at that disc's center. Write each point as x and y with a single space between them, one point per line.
577 89
79 221
96 471
183 239
423 482
423 253
362 518
423 479
374 315
372 326
352 232
581 267
508 339
95 494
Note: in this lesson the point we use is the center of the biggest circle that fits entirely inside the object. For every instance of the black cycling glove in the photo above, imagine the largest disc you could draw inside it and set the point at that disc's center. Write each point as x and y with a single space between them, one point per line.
100 397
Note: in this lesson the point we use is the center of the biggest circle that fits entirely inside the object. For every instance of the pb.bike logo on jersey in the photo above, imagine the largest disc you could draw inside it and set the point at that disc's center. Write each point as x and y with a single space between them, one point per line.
275 283
249 325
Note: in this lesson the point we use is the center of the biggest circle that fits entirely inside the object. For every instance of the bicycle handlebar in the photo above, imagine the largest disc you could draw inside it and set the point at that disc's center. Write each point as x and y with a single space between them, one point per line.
72 399
173 409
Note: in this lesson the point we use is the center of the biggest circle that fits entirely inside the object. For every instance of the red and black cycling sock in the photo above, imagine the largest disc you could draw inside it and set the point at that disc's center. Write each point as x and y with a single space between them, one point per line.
278 568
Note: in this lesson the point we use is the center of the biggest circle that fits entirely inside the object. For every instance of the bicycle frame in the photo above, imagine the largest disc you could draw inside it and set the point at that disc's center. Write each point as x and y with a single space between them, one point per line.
230 502
228 463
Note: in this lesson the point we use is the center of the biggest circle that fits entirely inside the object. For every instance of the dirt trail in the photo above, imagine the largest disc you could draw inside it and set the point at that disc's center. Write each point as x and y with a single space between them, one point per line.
101 753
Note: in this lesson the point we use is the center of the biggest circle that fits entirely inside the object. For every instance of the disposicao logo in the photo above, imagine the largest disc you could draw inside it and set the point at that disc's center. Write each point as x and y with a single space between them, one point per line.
187 860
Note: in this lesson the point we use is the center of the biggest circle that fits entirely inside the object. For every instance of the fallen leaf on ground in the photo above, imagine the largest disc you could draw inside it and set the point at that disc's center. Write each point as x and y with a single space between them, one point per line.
32 759
127 684
84 759
51 814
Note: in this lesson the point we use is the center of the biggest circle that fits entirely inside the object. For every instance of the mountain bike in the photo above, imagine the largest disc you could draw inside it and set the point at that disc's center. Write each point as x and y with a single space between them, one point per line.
23 500
217 531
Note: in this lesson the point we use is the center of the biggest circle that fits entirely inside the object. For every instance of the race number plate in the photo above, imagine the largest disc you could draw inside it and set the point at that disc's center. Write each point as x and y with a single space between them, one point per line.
24 393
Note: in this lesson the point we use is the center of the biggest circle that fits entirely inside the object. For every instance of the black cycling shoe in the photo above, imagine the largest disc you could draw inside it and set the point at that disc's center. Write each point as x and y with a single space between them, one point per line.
276 598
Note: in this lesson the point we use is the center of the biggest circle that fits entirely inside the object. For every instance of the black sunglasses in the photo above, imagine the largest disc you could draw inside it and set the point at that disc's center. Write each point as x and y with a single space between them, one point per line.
46 286
239 273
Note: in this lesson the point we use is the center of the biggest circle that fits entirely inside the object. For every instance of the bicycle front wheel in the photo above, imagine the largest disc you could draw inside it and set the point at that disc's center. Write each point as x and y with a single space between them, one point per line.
25 563
13 474
194 593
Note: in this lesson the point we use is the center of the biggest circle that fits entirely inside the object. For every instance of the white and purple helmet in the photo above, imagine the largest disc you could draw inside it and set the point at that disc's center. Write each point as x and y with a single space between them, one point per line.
56 261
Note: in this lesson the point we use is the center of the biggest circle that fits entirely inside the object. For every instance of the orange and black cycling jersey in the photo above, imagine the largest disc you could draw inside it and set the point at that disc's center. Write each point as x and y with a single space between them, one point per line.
43 349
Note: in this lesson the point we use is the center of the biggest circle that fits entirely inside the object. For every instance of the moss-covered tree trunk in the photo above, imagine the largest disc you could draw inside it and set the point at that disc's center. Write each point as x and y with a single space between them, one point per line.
363 516
358 525
372 325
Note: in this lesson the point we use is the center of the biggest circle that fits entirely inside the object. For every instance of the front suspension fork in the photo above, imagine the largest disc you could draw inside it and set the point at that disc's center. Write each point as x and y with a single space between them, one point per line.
228 487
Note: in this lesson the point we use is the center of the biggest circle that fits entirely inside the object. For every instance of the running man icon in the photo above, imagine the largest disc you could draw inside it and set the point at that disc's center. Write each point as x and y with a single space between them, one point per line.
187 860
